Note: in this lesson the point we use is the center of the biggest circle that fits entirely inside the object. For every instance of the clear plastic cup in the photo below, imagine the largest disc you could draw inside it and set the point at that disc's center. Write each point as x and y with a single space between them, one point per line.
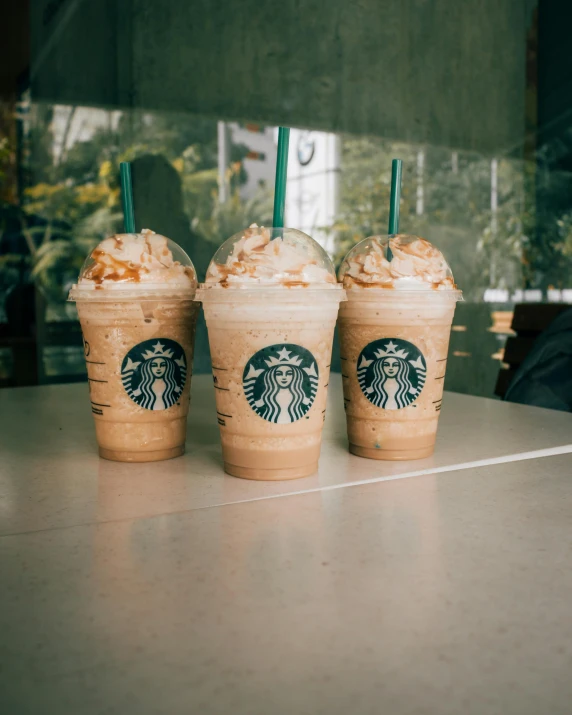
393 344
138 343
270 337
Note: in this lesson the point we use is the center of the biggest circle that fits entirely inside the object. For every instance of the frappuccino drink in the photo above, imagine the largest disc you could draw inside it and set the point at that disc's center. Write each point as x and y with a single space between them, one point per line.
271 306
394 334
135 300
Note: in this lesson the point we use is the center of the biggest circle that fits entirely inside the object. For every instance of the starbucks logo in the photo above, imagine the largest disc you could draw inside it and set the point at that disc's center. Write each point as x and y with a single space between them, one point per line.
154 373
280 382
391 373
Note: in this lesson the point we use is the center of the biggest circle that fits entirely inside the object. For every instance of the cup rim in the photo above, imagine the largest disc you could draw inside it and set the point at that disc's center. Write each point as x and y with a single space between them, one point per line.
92 294
257 287
274 293
371 293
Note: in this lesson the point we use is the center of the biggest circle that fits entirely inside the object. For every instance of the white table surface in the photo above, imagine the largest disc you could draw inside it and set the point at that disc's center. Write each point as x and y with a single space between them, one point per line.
51 476
173 589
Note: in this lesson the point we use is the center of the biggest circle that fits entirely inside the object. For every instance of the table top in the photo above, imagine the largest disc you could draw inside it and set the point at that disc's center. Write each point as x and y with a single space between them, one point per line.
438 586
51 476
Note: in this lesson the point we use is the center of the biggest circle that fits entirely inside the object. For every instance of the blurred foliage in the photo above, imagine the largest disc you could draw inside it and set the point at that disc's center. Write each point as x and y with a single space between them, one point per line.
8 168
526 244
12 267
365 191
5 159
565 233
226 219
75 199
57 264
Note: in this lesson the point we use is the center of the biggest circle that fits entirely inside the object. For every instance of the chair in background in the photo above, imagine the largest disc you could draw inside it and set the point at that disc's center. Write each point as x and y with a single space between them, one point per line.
529 321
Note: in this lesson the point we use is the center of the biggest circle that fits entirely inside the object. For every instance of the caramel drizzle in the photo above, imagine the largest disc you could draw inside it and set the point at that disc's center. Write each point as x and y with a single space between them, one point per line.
126 271
290 280
121 270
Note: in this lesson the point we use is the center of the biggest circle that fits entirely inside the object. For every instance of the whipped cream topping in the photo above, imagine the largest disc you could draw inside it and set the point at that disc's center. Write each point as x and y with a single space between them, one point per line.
415 265
255 258
128 259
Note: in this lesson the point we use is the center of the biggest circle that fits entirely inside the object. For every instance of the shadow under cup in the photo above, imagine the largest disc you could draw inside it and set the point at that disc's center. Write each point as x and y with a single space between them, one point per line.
139 356
394 355
271 353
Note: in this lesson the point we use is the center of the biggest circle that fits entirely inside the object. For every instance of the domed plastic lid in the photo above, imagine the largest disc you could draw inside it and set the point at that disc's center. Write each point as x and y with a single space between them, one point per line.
413 264
270 257
132 265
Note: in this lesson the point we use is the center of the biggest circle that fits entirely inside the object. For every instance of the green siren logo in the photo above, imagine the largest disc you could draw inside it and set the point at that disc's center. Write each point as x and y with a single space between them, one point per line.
391 373
280 382
154 373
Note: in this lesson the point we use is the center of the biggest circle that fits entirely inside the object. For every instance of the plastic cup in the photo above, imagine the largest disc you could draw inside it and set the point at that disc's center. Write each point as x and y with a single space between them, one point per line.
271 349
394 346
138 344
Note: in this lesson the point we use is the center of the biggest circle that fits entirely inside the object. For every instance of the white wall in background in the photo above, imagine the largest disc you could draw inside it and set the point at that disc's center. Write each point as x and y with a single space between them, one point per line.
312 193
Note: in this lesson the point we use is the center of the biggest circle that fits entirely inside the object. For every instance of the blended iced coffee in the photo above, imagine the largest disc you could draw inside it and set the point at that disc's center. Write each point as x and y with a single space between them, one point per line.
135 301
394 335
271 306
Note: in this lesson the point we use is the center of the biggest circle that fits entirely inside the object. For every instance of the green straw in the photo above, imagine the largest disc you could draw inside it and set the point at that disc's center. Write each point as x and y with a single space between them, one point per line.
127 197
395 198
281 171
